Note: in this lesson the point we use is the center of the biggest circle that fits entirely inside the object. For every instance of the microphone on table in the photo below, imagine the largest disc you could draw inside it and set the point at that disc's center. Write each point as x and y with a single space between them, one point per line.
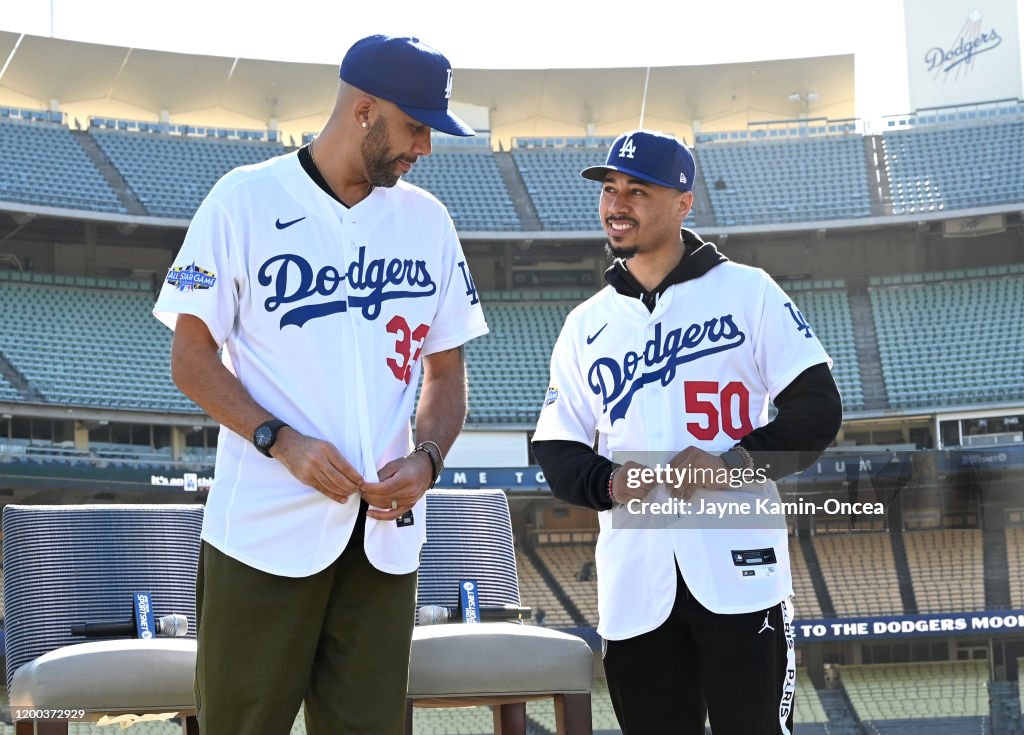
436 614
142 625
173 626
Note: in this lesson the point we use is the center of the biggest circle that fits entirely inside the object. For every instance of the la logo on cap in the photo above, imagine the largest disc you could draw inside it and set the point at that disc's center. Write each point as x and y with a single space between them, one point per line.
628 148
448 86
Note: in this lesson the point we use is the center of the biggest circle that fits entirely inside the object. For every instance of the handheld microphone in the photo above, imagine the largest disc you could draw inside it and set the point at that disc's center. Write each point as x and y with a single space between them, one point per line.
168 625
435 614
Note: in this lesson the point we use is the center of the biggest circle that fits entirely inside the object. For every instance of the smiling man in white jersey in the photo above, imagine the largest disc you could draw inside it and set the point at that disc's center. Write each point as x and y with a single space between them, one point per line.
681 354
330 284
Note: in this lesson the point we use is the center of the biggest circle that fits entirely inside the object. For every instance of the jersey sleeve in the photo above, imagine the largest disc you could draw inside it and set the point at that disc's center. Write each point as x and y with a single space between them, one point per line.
459 317
203 280
785 344
567 413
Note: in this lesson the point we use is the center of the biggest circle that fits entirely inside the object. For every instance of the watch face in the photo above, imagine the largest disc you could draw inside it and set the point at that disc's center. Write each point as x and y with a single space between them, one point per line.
264 436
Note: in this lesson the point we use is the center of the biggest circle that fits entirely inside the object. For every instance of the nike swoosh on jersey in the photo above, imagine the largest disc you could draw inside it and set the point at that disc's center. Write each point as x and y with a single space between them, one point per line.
590 340
282 225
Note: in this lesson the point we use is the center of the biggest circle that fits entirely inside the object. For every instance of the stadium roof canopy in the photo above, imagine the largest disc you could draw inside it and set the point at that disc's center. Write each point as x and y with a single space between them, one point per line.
115 81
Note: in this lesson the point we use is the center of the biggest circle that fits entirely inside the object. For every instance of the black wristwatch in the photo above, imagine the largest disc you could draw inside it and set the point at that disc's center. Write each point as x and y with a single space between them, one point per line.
266 434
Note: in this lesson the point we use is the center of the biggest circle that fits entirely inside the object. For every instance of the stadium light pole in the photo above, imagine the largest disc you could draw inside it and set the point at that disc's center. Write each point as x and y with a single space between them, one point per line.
643 100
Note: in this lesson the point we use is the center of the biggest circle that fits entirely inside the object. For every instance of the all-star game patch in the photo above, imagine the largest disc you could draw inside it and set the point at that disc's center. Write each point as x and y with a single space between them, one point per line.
191 277
551 397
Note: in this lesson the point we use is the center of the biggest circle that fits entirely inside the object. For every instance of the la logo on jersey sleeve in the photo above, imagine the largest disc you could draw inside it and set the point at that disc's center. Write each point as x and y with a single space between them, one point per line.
801 322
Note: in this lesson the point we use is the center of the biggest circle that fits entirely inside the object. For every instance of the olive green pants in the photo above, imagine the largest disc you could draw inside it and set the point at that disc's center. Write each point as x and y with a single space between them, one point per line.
337 642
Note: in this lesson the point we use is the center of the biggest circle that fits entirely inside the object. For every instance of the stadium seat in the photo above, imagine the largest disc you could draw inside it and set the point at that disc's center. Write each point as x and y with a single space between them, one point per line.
98 556
469 537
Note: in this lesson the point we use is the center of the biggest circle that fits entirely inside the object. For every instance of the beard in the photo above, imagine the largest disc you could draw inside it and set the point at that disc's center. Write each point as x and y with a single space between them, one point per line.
625 253
377 158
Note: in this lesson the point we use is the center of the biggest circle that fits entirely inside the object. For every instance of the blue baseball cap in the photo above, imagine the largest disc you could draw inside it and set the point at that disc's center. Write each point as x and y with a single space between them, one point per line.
649 155
408 73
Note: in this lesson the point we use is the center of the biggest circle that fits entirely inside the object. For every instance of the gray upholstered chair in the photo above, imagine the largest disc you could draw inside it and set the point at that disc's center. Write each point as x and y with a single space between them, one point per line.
504 665
73 564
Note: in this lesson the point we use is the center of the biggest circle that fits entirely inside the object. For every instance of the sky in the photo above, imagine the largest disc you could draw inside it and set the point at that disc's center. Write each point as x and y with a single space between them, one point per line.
524 34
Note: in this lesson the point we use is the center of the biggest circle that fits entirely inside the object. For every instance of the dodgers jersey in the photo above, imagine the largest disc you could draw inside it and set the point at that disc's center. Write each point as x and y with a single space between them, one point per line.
325 314
699 371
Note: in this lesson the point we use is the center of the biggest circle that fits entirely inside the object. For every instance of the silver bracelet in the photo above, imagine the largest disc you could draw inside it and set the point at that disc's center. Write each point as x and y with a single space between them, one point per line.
743 454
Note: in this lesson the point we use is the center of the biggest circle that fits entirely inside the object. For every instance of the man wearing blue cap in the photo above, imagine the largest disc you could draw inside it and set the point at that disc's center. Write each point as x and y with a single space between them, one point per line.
680 356
331 285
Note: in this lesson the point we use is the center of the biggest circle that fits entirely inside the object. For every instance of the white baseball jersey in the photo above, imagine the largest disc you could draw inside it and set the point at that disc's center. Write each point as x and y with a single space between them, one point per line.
324 314
698 371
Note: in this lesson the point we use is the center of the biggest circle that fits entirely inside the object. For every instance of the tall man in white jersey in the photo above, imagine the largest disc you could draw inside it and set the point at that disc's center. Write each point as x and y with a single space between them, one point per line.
329 284
680 354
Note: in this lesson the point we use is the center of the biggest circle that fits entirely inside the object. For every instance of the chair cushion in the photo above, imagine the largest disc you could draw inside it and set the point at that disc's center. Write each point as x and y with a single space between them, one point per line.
129 675
481 659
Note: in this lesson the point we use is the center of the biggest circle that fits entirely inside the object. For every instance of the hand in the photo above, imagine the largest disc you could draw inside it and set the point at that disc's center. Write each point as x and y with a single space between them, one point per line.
402 482
703 470
629 475
316 463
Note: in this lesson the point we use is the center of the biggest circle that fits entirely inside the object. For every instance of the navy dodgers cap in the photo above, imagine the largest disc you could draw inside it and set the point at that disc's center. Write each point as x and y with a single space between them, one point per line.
649 155
408 73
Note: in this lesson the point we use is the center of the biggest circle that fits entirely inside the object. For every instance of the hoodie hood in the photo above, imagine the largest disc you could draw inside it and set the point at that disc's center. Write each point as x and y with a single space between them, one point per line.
699 258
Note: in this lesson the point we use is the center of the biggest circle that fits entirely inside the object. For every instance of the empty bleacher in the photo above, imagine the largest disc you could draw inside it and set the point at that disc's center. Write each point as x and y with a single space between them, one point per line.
1015 564
7 391
509 368
860 573
170 174
953 337
808 707
946 569
942 697
805 599
96 347
786 181
451 721
468 181
563 199
566 561
45 166
827 310
954 167
537 595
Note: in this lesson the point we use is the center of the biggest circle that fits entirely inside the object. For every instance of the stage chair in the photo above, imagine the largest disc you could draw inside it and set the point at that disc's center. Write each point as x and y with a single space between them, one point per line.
71 564
503 665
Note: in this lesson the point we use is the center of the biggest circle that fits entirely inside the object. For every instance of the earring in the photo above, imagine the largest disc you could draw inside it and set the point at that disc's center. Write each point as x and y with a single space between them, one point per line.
364 123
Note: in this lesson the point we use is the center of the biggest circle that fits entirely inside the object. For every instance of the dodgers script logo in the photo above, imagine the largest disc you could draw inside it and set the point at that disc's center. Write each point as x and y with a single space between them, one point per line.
294 282
617 380
961 54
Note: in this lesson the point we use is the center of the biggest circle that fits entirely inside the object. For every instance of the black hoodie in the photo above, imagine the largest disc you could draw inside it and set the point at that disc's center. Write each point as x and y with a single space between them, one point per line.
810 409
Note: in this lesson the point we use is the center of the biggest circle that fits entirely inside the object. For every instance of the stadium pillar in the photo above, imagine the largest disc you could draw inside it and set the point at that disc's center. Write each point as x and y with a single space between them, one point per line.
177 442
81 437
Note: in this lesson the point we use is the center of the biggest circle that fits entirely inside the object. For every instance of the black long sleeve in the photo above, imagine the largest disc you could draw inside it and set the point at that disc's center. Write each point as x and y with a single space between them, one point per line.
576 473
810 414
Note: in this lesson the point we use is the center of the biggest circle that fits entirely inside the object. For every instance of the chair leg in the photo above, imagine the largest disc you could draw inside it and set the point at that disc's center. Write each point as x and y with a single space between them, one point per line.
190 725
408 716
572 714
510 719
